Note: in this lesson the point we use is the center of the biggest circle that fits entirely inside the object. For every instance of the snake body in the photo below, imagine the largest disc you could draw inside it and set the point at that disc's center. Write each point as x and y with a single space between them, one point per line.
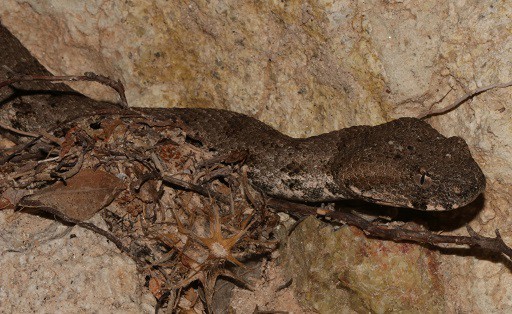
402 163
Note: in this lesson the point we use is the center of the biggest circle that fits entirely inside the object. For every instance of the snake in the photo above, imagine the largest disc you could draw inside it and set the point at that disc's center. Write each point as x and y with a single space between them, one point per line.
402 163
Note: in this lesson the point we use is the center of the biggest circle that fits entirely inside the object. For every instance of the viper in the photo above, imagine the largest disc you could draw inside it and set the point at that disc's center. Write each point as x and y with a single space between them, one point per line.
402 163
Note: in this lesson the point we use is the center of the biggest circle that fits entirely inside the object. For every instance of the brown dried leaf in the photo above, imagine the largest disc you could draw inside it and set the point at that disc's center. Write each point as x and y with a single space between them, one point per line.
155 287
6 144
5 204
83 195
156 284
14 196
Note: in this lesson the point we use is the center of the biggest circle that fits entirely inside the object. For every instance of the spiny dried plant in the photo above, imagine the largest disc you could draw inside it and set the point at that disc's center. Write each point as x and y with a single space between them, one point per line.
205 245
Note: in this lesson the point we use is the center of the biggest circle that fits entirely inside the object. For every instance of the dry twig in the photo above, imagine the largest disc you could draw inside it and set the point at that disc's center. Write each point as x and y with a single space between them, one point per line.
382 231
458 102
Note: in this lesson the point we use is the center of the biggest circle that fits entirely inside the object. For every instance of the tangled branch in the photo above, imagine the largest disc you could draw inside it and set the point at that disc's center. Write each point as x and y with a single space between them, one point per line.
382 231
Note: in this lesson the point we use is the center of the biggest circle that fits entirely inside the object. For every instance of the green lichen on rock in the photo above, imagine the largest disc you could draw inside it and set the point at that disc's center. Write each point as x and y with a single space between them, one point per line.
343 271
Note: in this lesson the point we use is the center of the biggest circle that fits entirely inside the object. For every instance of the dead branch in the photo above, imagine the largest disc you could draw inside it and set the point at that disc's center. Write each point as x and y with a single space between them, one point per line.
382 231
87 225
458 102
194 187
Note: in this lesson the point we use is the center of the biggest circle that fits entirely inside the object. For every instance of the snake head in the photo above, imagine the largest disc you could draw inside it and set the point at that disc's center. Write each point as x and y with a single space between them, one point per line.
407 163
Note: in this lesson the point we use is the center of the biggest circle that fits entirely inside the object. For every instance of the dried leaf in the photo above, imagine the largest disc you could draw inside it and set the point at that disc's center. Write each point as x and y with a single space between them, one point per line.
6 144
156 284
80 198
155 287
14 196
5 204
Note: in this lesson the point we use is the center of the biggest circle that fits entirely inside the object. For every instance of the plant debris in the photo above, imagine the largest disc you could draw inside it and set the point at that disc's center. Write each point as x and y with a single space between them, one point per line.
176 236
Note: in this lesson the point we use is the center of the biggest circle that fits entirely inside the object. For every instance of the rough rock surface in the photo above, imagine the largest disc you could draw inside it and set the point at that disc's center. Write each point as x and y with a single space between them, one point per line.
48 267
306 68
347 270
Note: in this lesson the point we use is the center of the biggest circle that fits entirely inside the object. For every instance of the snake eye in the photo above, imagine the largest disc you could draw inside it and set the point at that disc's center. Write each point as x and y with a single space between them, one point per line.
422 179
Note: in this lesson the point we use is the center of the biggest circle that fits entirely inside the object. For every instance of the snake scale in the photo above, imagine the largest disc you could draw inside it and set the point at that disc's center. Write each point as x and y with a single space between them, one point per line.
402 163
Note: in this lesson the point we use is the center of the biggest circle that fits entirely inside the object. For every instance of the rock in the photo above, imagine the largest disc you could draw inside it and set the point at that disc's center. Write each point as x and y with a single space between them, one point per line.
343 269
308 68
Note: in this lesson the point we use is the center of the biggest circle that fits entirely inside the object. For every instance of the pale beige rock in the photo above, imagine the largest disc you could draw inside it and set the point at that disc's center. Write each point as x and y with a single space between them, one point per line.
270 293
307 68
51 268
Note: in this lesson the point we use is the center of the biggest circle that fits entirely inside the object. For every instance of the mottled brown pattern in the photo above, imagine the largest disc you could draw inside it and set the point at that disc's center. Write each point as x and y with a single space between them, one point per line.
404 163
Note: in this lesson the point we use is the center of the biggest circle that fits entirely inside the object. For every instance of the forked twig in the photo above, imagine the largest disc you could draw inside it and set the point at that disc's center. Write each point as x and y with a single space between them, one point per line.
382 231
458 102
